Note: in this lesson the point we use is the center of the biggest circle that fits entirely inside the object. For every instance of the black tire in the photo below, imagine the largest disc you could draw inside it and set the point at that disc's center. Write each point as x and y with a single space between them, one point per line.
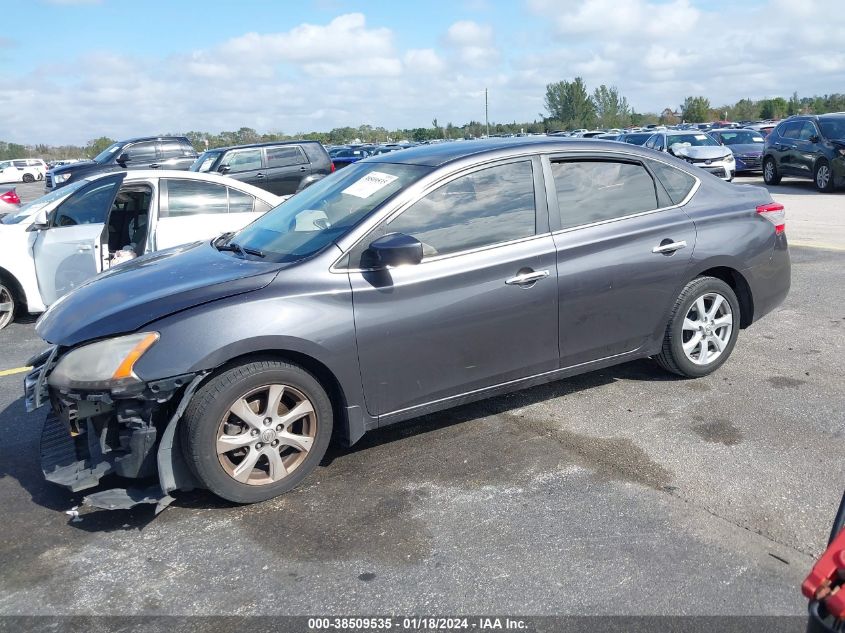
7 295
28 178
823 176
771 176
202 420
672 357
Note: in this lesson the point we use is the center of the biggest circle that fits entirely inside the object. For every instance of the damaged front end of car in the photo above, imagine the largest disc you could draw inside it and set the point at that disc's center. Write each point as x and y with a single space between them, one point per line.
104 420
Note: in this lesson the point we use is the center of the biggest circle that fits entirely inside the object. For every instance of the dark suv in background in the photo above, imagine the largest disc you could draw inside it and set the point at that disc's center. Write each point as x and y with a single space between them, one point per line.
279 167
807 147
148 152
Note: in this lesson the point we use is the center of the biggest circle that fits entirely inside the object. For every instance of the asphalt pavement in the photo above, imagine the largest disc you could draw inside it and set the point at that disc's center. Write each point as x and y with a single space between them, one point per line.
622 491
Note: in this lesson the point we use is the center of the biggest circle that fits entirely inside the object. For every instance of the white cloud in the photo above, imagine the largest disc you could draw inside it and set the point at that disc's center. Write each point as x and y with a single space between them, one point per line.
473 43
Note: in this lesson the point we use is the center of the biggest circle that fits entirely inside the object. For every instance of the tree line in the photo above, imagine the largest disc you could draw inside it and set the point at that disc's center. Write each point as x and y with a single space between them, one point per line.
569 104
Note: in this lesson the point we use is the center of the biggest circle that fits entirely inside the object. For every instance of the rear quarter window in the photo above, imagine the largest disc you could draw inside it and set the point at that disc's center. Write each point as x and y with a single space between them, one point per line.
677 183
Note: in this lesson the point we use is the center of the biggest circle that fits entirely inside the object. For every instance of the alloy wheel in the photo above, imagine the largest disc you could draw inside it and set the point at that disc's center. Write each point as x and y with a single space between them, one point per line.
769 170
266 434
7 307
822 176
707 328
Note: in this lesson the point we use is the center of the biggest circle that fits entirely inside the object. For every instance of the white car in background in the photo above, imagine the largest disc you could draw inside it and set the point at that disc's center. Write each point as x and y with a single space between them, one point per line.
64 238
22 170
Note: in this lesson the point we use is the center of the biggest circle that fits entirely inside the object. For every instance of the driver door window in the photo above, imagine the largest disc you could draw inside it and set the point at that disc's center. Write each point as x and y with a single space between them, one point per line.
480 209
244 160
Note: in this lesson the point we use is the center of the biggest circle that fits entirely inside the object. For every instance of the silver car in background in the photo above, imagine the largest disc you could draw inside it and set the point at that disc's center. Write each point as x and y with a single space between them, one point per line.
697 148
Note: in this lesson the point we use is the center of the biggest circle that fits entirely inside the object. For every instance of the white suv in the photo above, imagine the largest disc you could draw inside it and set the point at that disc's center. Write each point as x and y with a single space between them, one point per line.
22 170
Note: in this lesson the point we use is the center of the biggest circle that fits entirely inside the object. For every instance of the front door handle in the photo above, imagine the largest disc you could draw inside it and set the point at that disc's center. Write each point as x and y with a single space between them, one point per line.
259 175
155 166
669 247
84 247
527 278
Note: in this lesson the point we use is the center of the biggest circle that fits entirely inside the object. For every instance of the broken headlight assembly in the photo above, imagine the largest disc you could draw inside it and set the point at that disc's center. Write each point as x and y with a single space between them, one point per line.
104 364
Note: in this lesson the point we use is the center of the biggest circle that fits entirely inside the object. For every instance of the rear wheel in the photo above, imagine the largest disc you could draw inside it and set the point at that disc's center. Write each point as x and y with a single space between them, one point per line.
770 171
702 330
7 305
823 176
28 178
256 430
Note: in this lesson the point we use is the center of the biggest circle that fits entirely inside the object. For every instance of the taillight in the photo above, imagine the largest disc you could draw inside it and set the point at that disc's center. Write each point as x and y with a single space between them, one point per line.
333 168
11 196
775 214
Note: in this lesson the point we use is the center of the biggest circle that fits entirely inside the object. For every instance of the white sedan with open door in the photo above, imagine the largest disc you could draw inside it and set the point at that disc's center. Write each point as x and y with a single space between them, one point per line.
60 240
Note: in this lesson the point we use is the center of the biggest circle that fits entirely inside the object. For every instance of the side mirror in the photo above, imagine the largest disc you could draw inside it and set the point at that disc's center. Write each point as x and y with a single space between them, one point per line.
123 158
224 169
39 221
394 249
814 138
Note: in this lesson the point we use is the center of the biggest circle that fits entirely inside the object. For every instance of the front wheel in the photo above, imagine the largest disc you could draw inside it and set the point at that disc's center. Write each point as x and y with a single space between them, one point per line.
28 178
7 305
255 431
823 177
770 171
702 329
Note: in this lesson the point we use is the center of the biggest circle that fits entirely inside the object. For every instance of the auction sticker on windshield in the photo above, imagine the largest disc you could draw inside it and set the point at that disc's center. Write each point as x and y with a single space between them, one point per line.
369 184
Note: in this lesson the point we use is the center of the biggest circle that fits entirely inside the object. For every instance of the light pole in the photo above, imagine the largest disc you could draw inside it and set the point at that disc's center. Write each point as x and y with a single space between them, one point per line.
486 114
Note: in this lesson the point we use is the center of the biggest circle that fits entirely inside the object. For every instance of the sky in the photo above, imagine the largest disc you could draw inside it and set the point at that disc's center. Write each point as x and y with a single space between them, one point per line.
75 70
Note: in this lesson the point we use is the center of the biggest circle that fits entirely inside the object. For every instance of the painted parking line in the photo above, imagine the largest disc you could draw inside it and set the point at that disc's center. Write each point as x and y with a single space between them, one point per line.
16 370
821 245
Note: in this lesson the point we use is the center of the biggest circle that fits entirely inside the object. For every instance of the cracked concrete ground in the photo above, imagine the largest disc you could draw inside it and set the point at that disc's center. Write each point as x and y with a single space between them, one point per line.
622 491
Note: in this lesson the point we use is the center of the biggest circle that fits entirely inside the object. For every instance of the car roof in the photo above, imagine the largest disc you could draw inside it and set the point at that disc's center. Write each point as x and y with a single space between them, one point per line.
146 174
439 154
165 137
262 144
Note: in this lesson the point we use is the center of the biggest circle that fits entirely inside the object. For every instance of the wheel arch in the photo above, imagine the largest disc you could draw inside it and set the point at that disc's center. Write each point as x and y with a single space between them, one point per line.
741 288
348 428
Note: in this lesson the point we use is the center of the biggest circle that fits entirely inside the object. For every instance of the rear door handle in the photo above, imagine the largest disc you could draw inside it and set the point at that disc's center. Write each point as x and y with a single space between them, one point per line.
669 247
302 168
529 277
259 175
155 166
84 247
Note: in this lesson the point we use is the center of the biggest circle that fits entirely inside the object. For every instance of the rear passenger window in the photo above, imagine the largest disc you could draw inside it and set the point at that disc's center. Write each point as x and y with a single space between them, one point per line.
485 207
677 183
189 197
285 156
240 202
591 191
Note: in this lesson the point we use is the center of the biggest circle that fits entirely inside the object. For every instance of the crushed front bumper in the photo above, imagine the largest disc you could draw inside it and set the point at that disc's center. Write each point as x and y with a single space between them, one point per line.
88 435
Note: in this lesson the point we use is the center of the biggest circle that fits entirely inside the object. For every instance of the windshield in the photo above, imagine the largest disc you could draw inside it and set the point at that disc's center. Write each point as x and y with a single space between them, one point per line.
741 138
325 211
106 154
205 161
637 139
692 139
31 208
833 128
5 164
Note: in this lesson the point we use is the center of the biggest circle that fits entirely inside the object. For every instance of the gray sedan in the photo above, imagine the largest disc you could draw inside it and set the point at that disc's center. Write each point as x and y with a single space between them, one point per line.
404 284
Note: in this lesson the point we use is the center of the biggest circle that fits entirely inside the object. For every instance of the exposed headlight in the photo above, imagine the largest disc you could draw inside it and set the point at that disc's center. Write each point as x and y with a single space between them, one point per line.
729 158
104 364
841 152
60 178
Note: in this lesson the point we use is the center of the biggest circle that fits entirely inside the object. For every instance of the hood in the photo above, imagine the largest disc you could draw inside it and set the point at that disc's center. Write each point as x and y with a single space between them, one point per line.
744 149
837 142
148 288
71 166
700 151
